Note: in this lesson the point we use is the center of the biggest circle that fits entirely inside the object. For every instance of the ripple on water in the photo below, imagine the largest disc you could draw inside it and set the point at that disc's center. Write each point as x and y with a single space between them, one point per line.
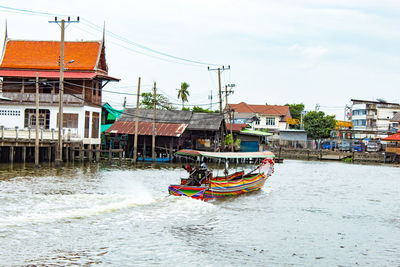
308 213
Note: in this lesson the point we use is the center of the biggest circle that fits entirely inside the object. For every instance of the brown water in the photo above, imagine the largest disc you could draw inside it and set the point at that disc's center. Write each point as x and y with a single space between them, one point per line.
308 213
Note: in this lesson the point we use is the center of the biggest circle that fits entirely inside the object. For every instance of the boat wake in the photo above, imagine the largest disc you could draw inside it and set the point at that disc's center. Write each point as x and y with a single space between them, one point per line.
101 204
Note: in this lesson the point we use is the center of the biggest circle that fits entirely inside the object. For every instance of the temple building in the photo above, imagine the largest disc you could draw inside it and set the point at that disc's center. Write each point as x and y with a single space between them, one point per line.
85 75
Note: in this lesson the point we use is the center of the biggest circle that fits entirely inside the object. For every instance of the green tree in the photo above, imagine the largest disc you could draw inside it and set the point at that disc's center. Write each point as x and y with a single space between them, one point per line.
295 110
318 126
202 110
183 93
161 101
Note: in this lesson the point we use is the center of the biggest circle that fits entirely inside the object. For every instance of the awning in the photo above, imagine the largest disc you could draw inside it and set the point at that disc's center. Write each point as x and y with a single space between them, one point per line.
146 128
226 155
254 132
395 137
54 74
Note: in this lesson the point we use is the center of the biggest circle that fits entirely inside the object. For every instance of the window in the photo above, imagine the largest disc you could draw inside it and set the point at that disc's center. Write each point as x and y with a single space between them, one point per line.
95 125
257 122
269 121
87 121
359 112
4 112
69 120
30 118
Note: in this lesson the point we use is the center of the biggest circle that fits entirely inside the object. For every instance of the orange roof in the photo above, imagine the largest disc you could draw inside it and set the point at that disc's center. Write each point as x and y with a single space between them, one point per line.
20 54
243 107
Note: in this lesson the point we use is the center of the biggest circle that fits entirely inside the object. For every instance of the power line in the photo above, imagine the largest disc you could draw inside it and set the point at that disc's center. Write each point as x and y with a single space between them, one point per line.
115 36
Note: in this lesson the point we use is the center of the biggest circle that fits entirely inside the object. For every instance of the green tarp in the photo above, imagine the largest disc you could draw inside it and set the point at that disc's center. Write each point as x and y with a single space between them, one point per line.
113 113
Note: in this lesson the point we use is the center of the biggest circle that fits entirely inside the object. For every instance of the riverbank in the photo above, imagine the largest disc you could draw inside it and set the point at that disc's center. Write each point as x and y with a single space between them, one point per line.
303 154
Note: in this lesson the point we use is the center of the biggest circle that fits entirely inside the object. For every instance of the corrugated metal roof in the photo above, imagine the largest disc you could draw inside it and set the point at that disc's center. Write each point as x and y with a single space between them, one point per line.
195 121
146 128
236 127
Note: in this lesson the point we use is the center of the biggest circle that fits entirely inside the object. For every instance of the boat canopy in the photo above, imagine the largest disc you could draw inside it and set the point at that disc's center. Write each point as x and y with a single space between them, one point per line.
226 155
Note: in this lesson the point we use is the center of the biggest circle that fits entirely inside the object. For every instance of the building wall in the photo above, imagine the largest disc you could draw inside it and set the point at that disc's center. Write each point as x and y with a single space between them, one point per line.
14 116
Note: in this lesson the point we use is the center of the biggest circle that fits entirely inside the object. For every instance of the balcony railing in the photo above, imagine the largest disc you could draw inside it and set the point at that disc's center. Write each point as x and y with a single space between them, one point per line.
29 134
44 98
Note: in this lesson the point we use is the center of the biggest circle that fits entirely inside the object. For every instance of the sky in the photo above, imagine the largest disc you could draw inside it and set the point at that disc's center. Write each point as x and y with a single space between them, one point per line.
315 52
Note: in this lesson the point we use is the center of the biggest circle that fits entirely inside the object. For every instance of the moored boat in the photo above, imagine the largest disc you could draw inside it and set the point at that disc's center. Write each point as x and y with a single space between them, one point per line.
201 184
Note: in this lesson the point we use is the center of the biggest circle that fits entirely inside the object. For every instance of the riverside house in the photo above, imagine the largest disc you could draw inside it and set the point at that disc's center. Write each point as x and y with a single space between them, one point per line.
261 117
85 75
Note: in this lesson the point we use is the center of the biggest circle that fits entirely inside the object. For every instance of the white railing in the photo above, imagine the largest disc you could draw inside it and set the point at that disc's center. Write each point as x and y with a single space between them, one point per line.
44 98
29 134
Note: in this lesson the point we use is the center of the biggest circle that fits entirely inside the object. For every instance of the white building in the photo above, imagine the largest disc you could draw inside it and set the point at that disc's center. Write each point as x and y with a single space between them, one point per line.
372 119
261 117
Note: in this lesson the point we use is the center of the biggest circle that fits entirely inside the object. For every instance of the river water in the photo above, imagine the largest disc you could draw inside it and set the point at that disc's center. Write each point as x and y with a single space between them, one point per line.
307 214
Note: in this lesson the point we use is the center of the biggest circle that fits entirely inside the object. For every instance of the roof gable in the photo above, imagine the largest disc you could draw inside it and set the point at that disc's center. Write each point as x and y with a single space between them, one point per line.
21 54
260 109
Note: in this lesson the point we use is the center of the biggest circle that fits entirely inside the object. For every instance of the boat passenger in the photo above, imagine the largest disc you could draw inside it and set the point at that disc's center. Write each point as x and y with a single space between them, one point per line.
204 165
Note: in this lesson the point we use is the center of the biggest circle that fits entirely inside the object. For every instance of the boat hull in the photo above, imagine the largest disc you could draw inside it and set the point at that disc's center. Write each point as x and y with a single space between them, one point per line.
220 188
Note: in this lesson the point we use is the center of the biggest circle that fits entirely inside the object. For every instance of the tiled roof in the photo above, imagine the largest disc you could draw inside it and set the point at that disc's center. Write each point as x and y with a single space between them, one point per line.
21 54
243 107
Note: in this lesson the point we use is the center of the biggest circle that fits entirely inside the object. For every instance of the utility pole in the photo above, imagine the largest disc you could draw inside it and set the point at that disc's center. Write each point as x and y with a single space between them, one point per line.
220 92
153 146
136 124
124 104
59 157
37 123
229 110
219 84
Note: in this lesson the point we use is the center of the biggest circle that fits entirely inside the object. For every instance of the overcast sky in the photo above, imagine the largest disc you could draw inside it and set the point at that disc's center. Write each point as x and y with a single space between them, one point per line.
286 51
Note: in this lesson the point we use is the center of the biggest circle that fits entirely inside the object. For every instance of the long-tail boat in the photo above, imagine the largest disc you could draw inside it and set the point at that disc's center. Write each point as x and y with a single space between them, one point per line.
201 184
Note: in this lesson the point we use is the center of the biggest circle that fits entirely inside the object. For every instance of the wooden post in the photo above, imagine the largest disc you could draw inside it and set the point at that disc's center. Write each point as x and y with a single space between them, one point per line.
136 124
67 149
2 132
110 153
90 151
49 153
171 147
81 152
153 143
98 153
11 154
144 147
37 123
219 90
24 154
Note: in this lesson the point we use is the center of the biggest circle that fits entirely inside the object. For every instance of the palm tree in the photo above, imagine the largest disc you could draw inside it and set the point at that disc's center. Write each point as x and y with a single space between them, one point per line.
183 93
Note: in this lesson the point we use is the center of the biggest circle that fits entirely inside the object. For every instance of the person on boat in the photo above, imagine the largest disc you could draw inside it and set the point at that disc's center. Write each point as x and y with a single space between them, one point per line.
204 165
188 168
